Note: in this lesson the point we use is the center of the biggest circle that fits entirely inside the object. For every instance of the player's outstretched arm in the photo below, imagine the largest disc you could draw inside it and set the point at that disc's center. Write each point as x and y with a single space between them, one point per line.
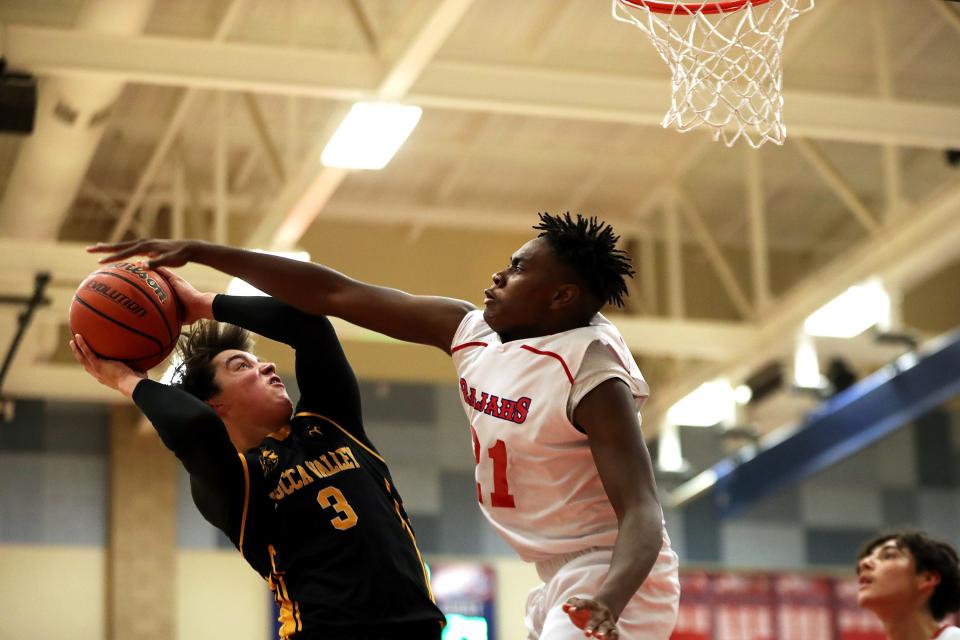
312 288
608 416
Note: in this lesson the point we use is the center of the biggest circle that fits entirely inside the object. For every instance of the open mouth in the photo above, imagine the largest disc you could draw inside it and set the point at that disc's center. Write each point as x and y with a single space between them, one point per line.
275 381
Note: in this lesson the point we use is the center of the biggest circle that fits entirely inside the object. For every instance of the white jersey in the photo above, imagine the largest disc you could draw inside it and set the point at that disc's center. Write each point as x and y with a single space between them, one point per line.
948 633
537 482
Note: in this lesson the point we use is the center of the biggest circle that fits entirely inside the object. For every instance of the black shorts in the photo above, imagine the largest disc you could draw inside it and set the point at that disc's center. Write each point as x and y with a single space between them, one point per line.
429 630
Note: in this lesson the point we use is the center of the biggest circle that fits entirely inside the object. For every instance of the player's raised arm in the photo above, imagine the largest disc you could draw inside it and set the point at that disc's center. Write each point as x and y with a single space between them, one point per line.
312 288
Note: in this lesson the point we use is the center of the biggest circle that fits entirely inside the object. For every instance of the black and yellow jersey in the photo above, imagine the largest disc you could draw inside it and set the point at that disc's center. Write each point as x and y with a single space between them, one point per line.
313 508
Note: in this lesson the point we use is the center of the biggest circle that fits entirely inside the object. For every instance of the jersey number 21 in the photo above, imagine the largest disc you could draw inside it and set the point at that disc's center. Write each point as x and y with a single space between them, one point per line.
501 489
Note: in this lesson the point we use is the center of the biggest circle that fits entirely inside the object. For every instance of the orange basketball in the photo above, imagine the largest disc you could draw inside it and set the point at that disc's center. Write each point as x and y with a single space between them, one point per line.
127 312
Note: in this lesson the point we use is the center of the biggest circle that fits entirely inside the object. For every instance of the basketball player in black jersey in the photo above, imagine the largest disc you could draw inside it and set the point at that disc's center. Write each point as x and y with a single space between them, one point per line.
307 500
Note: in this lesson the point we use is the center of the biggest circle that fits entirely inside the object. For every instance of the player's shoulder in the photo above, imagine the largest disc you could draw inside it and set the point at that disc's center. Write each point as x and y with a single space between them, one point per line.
601 324
949 633
603 331
578 339
473 328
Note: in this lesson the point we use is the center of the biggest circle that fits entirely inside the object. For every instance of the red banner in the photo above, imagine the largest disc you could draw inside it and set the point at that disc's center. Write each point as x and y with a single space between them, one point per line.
738 606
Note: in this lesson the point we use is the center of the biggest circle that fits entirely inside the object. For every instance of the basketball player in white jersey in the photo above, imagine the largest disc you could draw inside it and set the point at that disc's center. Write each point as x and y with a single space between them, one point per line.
911 582
551 392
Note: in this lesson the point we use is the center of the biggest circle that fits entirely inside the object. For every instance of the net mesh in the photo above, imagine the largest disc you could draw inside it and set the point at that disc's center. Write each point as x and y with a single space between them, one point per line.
726 63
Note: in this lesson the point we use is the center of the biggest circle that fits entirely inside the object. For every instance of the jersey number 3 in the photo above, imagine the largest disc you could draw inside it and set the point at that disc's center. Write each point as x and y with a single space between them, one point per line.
501 490
331 497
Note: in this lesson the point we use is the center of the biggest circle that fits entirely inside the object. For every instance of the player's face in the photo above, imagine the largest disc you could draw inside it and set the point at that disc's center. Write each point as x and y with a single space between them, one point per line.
250 388
523 291
889 582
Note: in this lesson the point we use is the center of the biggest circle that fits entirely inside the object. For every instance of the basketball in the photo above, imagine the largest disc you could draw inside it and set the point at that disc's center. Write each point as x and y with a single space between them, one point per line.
127 312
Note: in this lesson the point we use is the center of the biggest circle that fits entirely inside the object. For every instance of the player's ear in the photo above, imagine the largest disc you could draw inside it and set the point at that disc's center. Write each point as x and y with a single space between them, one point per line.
928 579
217 406
564 296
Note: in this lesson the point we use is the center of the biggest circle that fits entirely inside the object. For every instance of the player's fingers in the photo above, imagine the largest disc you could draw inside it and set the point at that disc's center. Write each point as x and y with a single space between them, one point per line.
574 603
606 630
111 247
168 274
133 248
76 352
173 258
89 356
82 359
120 255
118 251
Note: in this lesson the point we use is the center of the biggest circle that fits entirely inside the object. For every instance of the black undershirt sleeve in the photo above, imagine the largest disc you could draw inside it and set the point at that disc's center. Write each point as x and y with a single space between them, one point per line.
327 383
197 436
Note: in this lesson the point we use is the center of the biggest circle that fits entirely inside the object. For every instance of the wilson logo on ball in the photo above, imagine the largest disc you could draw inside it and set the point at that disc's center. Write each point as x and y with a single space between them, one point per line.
144 275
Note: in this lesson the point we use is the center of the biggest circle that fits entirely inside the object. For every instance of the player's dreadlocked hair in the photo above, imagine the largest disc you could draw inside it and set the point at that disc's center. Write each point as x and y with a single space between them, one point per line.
196 351
589 247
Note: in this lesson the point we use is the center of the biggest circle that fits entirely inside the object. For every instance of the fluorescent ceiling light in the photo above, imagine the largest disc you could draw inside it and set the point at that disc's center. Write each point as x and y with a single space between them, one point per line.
370 135
742 394
806 366
669 452
709 404
851 313
240 287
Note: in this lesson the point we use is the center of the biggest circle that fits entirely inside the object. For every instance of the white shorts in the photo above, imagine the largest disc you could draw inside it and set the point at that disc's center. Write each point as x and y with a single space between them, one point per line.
650 615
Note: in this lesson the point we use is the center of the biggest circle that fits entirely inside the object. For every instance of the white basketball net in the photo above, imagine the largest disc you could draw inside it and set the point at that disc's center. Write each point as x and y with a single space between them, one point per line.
726 66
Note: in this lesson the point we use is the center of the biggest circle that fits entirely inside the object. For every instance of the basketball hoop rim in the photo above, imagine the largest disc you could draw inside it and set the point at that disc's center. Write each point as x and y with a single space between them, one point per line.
659 6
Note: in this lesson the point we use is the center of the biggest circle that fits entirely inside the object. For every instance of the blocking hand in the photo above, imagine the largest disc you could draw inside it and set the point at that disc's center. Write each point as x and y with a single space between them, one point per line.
161 253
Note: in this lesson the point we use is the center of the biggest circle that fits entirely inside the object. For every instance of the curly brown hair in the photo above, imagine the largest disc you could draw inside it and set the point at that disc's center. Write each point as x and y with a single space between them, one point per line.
196 351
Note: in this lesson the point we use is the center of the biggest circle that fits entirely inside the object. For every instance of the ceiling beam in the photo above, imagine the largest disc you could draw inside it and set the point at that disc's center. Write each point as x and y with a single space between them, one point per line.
890 254
455 216
840 187
399 211
302 200
57 382
183 106
451 85
656 337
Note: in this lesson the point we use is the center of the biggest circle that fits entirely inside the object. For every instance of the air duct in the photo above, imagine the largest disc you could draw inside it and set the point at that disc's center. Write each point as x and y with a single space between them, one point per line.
843 425
72 114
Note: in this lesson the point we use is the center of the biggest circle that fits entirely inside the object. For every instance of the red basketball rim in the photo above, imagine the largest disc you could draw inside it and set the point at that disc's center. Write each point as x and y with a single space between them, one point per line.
659 6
